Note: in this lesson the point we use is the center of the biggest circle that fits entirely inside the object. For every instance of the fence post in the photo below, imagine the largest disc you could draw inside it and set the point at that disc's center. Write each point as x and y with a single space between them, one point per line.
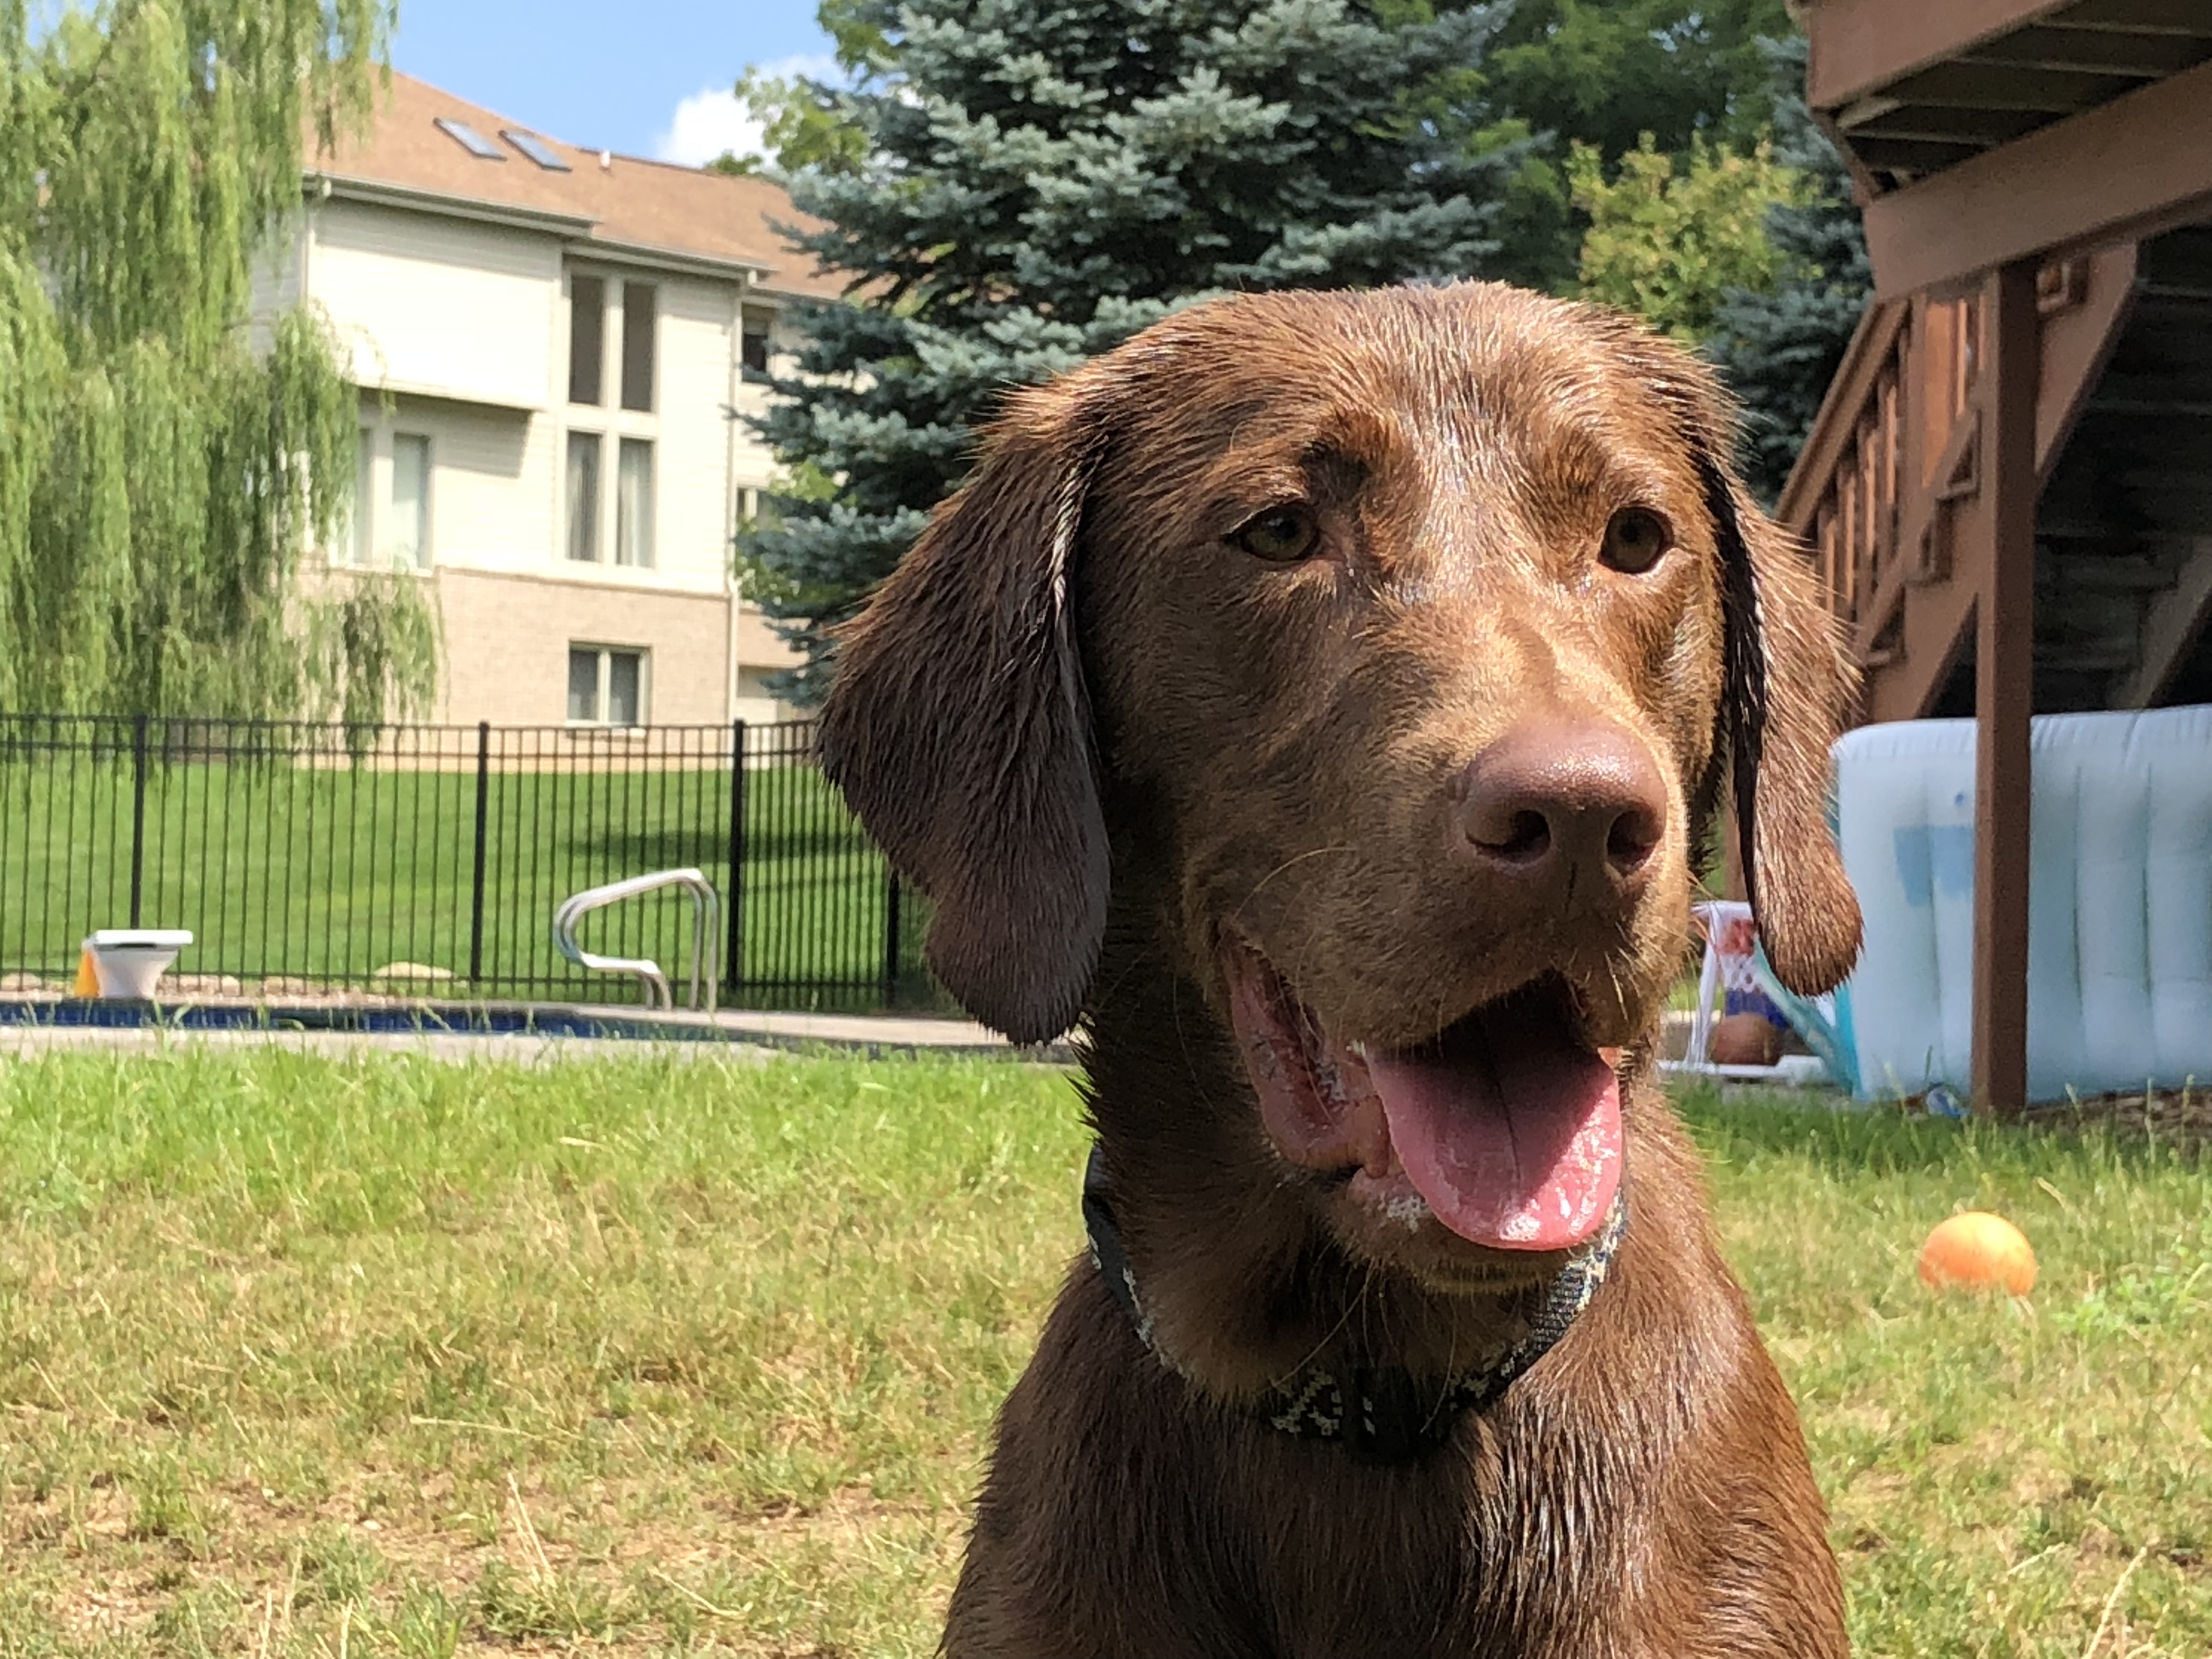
891 936
477 894
137 815
734 913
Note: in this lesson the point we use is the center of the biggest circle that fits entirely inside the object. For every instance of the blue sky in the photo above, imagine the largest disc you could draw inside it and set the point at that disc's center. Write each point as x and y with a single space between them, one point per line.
648 77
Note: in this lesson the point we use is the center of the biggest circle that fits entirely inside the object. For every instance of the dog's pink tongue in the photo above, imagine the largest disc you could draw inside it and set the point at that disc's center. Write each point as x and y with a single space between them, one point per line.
1509 1128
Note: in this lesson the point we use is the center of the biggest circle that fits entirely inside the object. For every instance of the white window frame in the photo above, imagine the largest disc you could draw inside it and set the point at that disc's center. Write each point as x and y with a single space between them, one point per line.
566 553
653 390
747 374
610 425
353 541
607 329
628 444
426 510
365 541
603 698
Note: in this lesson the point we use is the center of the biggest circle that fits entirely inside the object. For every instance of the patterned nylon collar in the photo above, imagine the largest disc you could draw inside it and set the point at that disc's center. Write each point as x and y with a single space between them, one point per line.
1380 1415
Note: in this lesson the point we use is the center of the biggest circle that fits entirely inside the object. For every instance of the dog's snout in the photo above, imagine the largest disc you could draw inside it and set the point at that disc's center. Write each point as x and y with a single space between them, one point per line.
1556 799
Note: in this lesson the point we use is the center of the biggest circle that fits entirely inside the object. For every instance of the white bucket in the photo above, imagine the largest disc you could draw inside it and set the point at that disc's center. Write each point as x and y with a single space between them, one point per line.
130 961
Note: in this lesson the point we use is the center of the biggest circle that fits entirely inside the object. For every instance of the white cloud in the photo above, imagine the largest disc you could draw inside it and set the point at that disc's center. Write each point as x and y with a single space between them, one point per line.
704 126
712 120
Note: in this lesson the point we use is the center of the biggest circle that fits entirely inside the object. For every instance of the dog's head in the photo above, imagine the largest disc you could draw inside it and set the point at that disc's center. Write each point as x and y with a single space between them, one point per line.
1416 627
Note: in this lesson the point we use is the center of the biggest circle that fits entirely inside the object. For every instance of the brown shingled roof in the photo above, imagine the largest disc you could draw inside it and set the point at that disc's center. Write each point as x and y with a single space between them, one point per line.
629 203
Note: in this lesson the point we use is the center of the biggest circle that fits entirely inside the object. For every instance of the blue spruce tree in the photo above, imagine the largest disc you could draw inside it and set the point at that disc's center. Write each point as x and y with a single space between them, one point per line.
1779 347
1039 179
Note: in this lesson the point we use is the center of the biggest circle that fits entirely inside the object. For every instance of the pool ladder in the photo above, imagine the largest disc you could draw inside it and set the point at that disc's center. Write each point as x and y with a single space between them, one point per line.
706 932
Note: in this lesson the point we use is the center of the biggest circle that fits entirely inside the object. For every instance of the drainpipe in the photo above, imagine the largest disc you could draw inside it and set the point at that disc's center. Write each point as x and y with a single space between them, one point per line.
735 596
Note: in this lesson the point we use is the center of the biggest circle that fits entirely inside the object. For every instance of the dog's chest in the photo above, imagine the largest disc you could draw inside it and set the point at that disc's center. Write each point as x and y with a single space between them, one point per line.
1265 1547
1455 1557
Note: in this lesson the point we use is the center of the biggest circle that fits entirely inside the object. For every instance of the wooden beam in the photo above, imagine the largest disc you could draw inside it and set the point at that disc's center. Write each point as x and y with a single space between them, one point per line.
1971 85
2173 623
2077 342
1865 187
1860 46
1913 155
1933 631
2004 688
2182 17
2148 55
2120 172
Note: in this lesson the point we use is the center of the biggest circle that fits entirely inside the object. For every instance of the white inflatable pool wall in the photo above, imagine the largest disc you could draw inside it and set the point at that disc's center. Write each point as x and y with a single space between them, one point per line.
2119 912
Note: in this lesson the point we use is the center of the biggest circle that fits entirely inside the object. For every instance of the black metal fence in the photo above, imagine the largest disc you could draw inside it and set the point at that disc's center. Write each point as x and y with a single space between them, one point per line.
428 860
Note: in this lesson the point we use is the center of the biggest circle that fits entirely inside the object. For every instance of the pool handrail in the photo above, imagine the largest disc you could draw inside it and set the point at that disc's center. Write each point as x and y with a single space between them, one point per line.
706 935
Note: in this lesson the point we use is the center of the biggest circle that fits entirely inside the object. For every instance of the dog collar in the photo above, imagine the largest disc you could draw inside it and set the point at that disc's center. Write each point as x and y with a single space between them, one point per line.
1380 1414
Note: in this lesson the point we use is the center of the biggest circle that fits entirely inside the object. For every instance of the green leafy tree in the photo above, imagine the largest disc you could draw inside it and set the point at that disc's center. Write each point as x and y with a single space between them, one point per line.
1036 179
797 130
164 467
1557 73
800 131
1780 345
1668 244
1606 72
1603 73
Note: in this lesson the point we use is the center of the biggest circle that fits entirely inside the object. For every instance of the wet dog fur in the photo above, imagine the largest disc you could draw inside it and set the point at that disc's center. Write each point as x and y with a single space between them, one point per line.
1116 747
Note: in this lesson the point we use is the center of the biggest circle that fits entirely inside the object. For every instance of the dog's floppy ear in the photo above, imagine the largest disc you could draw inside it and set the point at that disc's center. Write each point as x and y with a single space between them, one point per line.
1788 687
959 729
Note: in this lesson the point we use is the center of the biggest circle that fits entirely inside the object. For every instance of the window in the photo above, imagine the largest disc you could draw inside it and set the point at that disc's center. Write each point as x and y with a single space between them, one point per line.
355 538
748 504
584 683
408 543
625 687
583 495
470 139
606 686
587 338
637 345
536 148
752 343
634 503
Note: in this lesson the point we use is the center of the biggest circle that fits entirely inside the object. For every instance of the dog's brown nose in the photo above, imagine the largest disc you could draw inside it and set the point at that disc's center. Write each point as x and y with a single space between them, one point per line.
1563 801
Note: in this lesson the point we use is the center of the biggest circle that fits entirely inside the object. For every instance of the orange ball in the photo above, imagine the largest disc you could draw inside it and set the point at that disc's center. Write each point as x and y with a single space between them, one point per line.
1978 1250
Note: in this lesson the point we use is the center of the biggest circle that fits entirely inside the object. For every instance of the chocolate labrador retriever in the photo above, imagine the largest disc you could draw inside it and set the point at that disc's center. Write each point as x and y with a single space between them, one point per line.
1320 698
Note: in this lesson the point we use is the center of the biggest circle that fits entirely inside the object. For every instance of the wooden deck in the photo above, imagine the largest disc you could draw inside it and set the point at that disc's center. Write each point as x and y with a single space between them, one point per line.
2009 488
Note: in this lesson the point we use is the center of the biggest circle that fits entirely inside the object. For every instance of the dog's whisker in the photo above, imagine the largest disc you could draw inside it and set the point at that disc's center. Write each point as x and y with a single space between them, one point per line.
1289 863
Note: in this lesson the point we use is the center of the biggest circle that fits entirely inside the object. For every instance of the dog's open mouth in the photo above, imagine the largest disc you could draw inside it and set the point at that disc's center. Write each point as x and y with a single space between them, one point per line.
1507 1126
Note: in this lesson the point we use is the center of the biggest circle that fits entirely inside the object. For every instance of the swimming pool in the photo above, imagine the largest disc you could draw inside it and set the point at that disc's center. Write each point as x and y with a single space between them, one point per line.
869 1036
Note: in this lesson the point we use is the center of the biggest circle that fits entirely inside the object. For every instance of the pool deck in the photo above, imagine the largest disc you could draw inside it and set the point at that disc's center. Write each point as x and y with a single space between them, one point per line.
735 1034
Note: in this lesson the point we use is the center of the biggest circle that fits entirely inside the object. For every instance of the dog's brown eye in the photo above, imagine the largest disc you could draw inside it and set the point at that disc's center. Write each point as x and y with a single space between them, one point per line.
1635 540
1281 533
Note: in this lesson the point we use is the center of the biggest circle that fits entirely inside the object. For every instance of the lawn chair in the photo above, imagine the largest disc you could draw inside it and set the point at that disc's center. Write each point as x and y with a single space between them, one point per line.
1730 982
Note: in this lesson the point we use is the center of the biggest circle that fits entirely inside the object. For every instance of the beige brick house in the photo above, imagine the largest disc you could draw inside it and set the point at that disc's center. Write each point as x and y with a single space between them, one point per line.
550 344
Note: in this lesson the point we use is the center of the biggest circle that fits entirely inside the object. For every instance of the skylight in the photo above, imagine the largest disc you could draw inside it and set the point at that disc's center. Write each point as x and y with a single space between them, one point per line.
470 139
536 148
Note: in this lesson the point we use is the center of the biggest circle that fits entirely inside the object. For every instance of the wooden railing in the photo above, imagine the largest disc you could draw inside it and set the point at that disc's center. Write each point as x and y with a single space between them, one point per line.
1895 454
1895 442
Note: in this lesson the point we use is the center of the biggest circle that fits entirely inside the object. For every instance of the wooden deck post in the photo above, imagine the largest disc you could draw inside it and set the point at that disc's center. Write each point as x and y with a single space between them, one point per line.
2004 667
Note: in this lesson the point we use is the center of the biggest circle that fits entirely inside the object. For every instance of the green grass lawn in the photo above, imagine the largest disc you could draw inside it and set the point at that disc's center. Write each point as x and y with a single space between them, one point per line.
333 872
642 1358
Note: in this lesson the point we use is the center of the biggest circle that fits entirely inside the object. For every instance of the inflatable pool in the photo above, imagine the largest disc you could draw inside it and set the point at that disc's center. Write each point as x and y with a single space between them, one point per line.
2120 965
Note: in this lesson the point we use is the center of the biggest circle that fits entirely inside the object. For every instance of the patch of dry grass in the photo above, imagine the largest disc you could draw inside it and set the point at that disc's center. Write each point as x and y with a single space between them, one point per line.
2029 1478
301 1357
